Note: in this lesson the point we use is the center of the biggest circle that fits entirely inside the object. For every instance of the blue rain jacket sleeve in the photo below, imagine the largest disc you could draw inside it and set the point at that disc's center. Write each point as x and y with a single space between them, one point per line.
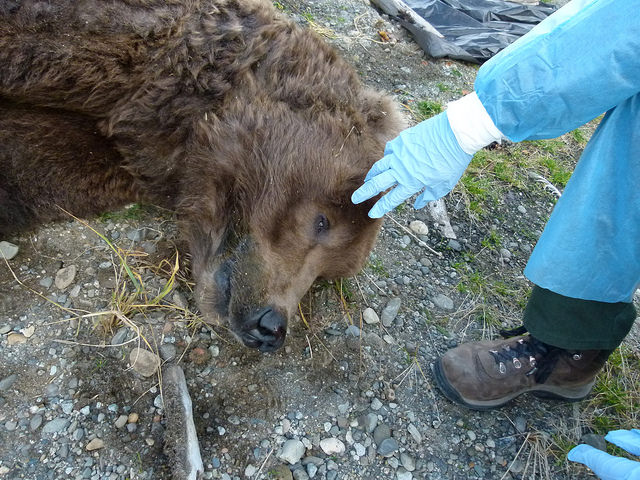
576 64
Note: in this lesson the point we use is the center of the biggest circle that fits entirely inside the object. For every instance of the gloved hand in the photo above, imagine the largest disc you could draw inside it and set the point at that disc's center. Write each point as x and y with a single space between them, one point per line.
606 466
426 157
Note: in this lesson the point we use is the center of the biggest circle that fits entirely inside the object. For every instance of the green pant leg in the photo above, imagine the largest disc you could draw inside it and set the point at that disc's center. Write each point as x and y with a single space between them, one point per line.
576 324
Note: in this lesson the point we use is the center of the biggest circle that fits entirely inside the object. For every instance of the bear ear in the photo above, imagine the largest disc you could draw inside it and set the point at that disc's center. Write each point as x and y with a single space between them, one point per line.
382 114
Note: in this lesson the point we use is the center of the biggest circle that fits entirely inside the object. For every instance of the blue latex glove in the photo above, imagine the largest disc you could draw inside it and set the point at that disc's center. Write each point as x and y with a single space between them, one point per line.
606 466
426 157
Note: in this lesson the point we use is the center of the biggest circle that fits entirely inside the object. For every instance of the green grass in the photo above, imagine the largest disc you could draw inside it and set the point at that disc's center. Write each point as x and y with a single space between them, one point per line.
427 109
377 267
132 212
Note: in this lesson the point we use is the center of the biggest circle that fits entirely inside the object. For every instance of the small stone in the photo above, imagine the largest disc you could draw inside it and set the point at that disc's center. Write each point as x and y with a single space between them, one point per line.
390 311
292 451
522 209
402 474
29 331
376 404
35 422
381 433
407 461
419 227
133 417
95 444
370 316
352 331
11 425
167 351
120 336
359 449
65 277
143 361
454 245
300 474
121 421
443 302
55 425
158 402
4 329
8 250
472 435
369 422
7 382
332 446
521 424
214 350
52 390
388 447
506 254
250 471
46 282
413 431
596 441
16 338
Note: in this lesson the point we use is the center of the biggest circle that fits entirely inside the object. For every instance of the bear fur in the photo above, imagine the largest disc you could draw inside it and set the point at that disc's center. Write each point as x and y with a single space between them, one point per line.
251 128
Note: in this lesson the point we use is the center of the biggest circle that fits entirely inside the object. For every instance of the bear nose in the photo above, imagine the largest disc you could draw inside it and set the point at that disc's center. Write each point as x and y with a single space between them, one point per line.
267 329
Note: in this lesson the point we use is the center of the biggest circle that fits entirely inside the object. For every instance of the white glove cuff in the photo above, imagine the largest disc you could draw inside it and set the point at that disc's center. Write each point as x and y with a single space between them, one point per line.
471 124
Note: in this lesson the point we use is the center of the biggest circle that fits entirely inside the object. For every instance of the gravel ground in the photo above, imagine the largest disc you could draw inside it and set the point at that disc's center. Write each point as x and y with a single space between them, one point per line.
349 397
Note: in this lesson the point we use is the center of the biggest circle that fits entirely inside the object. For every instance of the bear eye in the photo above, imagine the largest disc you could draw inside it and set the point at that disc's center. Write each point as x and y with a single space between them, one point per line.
321 224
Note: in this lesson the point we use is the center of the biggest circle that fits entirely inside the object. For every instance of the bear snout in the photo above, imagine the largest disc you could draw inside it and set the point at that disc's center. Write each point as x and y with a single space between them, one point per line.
264 329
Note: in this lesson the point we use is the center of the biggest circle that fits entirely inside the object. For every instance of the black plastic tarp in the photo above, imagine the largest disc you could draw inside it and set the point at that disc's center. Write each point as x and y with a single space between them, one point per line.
473 30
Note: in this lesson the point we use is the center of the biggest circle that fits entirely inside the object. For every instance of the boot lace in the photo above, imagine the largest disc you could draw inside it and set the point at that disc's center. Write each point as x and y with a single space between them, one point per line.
540 356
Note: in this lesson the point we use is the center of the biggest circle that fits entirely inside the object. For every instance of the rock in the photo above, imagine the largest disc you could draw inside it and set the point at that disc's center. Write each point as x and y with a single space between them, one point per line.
407 461
120 336
143 361
8 250
402 474
16 338
292 451
413 431
167 351
376 404
522 209
521 424
46 282
133 417
388 447
390 311
300 474
352 331
381 433
250 471
35 422
369 422
95 444
121 421
596 441
454 245
7 382
443 302
419 227
332 446
55 425
65 277
4 329
370 316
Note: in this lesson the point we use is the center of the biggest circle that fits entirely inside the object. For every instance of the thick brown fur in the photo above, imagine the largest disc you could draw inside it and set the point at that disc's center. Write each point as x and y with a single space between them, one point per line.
253 129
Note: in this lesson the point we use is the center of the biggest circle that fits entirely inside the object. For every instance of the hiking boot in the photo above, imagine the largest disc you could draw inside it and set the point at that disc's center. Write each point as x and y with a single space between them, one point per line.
488 374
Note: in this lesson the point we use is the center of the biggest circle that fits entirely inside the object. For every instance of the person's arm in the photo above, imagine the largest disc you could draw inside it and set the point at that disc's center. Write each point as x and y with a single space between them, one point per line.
573 66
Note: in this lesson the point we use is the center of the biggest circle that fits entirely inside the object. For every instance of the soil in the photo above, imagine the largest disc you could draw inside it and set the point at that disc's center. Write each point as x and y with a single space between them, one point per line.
330 381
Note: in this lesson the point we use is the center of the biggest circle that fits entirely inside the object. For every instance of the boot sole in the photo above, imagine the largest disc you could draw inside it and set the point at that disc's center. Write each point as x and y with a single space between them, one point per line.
543 391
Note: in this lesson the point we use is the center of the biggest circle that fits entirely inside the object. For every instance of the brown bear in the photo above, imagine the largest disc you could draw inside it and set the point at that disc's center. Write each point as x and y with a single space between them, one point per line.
251 128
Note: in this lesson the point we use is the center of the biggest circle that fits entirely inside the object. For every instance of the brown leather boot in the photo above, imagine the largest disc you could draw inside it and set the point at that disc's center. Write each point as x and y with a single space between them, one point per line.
488 374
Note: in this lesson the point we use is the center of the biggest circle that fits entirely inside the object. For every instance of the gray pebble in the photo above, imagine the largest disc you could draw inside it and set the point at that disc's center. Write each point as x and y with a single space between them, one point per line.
312 469
55 425
381 433
292 451
388 447
443 302
8 250
370 316
390 311
300 474
7 382
35 422
352 331
407 461
121 421
521 424
454 245
120 336
4 329
376 404
11 425
402 474
65 277
168 351
46 282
